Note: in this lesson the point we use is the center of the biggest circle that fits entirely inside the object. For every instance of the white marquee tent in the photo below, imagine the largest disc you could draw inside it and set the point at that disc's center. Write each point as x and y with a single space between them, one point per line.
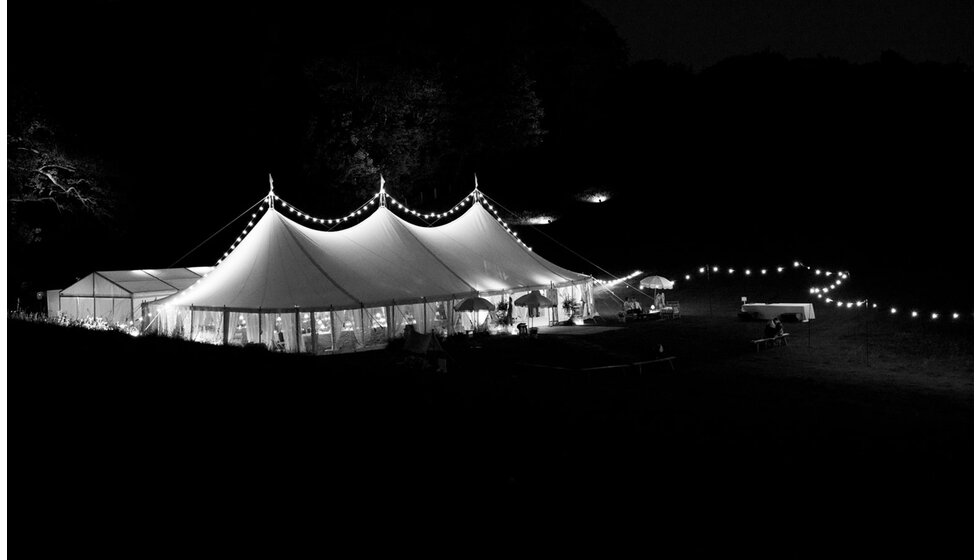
116 295
306 290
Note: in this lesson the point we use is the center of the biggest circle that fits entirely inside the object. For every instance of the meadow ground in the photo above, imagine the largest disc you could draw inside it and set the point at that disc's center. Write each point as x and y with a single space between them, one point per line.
827 441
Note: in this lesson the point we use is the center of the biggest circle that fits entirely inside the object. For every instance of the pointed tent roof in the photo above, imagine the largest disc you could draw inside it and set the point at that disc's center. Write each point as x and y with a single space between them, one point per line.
282 264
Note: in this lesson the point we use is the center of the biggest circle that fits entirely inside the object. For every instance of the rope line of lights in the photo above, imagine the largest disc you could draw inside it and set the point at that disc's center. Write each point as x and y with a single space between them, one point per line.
380 197
823 293
476 195
325 221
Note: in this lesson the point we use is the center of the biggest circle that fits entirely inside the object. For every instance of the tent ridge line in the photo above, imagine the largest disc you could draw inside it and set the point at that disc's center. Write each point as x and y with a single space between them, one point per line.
164 281
99 274
316 264
428 250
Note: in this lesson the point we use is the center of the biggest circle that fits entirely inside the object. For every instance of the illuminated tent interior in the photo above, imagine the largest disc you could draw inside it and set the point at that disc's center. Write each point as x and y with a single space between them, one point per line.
299 289
117 295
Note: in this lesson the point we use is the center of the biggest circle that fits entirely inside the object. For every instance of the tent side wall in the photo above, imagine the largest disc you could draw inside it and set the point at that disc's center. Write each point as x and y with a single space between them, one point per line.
54 303
317 331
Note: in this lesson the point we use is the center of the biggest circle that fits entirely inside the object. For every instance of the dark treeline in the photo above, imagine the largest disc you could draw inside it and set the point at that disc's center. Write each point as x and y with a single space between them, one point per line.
755 157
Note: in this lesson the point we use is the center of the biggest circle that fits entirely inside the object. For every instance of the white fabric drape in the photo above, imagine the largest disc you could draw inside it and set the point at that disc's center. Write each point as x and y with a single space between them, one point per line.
322 330
347 330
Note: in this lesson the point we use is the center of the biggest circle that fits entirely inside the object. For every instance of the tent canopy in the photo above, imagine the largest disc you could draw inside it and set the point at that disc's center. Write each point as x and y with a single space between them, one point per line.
135 283
281 265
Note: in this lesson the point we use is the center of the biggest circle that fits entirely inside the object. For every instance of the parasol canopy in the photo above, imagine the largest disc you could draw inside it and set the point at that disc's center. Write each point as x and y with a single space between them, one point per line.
534 299
475 304
656 283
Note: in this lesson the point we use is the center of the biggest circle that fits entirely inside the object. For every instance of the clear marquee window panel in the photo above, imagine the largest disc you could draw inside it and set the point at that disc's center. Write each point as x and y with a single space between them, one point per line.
208 327
347 327
323 332
279 331
408 315
375 326
437 317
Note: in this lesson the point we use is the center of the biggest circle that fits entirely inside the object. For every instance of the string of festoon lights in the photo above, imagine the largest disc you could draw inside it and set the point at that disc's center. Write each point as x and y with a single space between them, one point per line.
823 293
476 196
381 197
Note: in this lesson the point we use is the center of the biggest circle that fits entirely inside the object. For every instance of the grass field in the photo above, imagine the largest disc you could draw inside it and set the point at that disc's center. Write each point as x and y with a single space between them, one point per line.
825 441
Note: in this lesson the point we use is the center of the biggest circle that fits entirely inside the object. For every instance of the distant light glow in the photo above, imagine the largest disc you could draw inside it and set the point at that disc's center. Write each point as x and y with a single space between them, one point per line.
956 315
935 315
894 310
915 313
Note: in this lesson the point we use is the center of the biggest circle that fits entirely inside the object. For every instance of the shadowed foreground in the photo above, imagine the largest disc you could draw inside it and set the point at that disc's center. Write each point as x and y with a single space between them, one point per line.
807 444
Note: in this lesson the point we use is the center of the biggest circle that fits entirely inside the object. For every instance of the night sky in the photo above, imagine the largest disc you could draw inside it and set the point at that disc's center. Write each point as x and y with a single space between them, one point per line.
855 159
701 32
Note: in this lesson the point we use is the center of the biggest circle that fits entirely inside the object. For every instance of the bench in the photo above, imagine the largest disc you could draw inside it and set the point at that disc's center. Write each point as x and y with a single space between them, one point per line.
778 340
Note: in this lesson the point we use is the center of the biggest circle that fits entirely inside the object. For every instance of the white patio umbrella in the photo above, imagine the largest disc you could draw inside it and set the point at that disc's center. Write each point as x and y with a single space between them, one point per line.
533 299
475 305
656 283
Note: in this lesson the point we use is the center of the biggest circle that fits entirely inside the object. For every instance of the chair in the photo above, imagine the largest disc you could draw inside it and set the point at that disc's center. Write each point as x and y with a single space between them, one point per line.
281 342
522 329
676 309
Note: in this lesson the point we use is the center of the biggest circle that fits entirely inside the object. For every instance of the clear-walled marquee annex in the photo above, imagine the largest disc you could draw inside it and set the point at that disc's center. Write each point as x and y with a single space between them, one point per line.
117 295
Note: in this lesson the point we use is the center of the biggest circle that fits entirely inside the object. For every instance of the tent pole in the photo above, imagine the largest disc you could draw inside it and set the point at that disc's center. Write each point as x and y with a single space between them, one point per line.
225 316
298 340
314 333
333 337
